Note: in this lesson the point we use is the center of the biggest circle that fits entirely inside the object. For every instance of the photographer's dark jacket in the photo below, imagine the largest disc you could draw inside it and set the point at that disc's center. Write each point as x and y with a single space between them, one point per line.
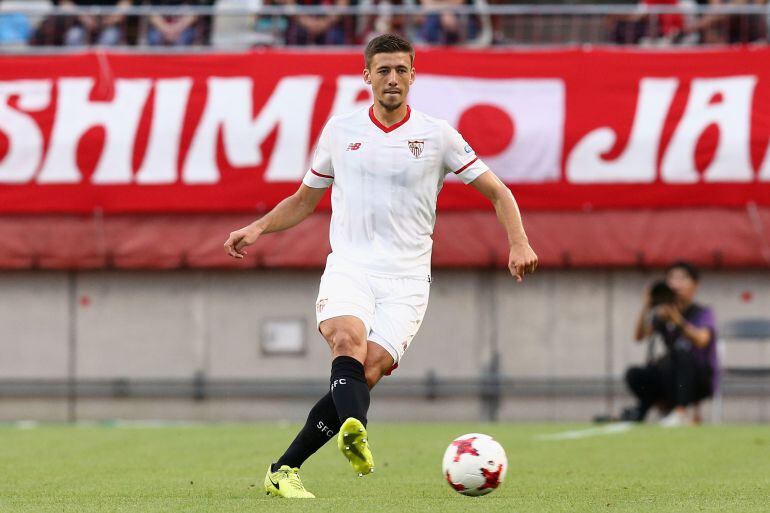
702 317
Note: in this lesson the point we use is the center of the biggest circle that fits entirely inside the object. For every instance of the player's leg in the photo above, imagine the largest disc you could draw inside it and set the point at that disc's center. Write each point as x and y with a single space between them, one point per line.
401 306
321 425
353 440
323 422
347 399
397 317
378 363
282 479
346 336
347 303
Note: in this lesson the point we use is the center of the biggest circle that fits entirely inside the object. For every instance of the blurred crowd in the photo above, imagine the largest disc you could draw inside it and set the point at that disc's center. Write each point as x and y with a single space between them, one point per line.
674 28
432 23
82 28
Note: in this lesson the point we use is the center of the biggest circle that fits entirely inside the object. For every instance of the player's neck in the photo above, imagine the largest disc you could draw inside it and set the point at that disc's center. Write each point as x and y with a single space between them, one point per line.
389 118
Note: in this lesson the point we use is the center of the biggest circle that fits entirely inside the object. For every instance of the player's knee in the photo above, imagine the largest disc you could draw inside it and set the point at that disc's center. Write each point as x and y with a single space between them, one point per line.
344 342
373 375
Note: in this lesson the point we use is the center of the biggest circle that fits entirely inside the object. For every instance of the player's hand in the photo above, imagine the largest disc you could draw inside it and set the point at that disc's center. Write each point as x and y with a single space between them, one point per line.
522 260
239 239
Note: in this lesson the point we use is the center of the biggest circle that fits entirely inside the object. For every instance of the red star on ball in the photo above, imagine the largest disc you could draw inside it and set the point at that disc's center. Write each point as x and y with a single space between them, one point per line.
457 486
465 447
492 478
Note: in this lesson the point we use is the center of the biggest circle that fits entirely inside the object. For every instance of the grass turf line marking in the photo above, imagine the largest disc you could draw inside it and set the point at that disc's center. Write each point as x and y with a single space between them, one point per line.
610 429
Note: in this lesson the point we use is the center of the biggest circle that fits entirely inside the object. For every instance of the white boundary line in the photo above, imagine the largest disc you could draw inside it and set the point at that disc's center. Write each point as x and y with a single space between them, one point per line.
610 429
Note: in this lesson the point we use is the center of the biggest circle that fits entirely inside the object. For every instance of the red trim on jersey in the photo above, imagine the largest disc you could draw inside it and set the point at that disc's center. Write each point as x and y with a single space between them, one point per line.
388 129
319 174
465 166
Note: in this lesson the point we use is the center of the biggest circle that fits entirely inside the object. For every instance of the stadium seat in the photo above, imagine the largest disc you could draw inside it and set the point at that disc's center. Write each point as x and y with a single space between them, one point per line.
749 341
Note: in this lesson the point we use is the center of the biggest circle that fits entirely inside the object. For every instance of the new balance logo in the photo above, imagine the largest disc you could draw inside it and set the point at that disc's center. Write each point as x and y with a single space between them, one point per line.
341 381
353 146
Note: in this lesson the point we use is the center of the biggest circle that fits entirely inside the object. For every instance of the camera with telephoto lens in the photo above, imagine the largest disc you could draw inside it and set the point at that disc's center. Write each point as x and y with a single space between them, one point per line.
661 294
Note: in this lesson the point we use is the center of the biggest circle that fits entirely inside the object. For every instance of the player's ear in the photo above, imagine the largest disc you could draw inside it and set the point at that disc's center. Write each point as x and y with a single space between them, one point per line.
411 76
367 76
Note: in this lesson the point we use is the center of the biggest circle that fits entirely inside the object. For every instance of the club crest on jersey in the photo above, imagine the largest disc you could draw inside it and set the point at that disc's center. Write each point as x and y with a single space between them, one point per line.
416 148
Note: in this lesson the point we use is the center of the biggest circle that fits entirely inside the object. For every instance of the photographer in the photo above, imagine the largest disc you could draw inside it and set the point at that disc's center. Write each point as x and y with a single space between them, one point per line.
687 373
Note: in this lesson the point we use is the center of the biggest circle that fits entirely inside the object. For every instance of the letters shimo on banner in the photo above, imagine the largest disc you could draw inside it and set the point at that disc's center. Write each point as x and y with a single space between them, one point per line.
224 133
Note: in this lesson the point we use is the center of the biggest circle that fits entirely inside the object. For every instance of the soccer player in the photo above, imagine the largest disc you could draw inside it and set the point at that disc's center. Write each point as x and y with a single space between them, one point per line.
387 163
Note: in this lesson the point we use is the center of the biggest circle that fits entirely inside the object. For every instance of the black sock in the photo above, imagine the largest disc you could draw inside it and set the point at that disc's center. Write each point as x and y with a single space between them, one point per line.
349 389
322 424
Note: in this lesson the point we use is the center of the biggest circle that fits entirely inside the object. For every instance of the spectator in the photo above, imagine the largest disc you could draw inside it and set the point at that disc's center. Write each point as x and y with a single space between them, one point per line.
229 31
84 29
14 29
385 22
441 27
730 28
634 28
445 27
168 30
325 29
748 28
497 23
270 29
687 374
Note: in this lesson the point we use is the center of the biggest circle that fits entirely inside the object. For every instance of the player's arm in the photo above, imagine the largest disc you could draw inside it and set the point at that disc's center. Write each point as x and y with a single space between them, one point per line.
289 212
522 259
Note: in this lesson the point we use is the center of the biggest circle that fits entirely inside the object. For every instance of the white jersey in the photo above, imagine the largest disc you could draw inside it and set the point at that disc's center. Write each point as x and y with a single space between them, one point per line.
386 182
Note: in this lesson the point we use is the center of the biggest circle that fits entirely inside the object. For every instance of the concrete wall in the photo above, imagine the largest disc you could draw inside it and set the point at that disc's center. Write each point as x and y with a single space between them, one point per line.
173 325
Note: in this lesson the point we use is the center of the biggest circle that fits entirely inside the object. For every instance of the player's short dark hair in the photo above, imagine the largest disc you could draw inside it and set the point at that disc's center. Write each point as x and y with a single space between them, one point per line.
692 271
387 43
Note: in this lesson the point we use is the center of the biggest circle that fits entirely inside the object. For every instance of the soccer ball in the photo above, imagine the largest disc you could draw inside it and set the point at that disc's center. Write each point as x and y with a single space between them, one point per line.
474 464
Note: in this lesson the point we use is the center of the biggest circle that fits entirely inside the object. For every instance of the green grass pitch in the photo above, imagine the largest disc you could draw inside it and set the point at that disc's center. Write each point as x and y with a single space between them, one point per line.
219 469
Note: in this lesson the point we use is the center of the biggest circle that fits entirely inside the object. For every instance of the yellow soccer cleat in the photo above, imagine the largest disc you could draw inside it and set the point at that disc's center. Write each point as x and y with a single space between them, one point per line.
285 482
352 441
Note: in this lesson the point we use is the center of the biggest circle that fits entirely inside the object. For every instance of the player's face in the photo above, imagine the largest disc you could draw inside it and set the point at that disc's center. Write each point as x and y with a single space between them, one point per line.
681 283
390 75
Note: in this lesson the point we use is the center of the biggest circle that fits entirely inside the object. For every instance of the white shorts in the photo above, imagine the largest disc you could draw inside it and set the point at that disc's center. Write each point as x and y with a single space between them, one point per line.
390 307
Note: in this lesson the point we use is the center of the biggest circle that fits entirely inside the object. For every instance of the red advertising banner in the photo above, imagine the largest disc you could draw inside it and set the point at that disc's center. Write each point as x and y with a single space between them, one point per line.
568 130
